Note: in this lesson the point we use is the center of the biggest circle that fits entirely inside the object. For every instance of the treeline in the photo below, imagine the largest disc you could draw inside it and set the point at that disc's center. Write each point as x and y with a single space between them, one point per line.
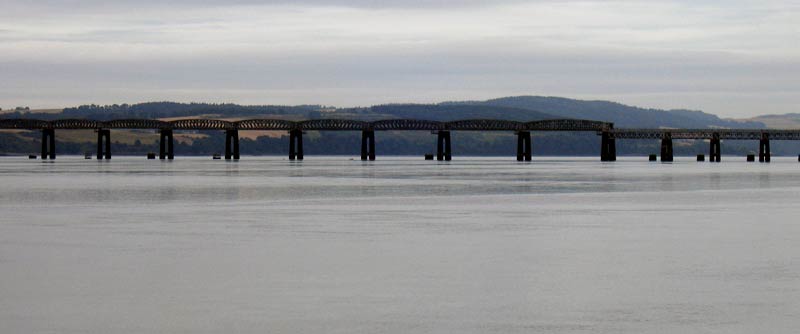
438 112
449 112
167 109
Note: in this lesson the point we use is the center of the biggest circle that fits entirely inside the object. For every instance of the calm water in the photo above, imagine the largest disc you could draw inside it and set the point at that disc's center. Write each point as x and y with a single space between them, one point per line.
400 245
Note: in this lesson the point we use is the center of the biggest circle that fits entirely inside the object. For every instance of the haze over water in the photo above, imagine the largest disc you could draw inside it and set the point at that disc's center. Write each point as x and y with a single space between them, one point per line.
399 245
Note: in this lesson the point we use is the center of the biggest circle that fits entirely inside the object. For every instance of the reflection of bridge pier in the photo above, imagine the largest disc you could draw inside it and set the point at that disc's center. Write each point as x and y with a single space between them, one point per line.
103 144
48 144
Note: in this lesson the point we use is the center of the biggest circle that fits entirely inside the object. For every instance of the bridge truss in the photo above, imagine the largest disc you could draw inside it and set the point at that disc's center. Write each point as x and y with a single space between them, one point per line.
729 134
314 125
442 128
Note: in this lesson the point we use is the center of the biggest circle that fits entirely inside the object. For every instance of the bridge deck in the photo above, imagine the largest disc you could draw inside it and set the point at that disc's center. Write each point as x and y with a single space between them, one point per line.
316 124
730 134
403 124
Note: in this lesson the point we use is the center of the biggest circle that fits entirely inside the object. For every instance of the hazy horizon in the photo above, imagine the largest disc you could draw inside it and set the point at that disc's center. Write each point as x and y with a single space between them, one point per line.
734 59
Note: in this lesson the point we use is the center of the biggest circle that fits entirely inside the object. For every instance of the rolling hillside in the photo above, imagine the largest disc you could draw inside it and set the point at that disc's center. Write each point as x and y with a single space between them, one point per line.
621 115
784 121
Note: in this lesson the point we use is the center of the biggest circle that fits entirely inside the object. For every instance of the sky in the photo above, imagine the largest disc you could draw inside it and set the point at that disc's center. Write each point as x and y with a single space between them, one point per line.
732 58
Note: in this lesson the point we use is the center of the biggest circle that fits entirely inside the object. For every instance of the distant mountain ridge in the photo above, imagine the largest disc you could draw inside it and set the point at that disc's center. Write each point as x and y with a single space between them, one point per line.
623 116
783 121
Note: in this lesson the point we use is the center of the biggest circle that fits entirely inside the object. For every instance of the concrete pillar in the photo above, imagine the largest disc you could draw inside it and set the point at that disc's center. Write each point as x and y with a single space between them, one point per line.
368 145
231 144
48 144
296 144
715 151
666 147
443 146
763 148
524 146
103 144
166 143
608 147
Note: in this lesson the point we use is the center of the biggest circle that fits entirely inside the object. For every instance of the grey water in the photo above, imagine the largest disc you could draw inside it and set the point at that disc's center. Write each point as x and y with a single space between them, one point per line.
399 245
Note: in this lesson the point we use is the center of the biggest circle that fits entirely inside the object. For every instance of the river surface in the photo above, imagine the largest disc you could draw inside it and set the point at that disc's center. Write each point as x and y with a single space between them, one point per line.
400 245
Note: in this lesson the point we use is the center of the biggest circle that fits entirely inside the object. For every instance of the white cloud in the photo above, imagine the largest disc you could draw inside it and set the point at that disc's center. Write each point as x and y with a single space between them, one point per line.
709 54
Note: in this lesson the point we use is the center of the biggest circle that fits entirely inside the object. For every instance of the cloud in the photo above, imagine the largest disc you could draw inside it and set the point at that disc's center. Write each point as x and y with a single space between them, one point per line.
362 52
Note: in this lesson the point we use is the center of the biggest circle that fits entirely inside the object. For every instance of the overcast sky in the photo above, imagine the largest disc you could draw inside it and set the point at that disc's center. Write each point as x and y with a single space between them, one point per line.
732 58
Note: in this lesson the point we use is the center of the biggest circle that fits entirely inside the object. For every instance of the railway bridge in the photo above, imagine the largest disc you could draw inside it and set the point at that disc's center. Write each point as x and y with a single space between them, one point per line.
442 129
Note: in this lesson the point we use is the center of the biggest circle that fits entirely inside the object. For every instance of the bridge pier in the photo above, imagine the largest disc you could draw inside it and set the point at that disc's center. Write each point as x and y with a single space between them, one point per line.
666 147
103 144
763 148
524 146
715 151
608 147
443 146
296 144
48 144
166 143
368 145
231 144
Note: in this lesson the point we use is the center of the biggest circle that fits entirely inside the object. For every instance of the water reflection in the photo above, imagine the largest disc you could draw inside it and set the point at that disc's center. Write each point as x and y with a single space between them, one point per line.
398 245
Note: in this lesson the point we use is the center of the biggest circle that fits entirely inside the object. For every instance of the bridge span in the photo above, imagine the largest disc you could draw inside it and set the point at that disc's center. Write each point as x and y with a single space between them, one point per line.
605 130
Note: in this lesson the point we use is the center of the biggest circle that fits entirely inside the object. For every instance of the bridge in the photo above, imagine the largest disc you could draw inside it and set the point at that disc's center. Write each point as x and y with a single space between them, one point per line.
441 129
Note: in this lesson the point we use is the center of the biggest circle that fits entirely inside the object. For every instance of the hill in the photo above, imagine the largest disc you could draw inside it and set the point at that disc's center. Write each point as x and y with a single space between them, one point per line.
520 108
623 116
447 112
784 121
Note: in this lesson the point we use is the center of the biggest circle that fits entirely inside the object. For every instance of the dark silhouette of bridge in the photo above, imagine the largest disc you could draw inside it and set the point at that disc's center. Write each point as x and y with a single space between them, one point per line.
442 129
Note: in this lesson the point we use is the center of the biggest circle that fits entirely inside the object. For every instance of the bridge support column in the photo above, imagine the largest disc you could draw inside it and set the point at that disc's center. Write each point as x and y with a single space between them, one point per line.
103 144
524 146
296 144
231 144
48 144
666 147
368 145
608 147
715 152
443 146
166 150
763 148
